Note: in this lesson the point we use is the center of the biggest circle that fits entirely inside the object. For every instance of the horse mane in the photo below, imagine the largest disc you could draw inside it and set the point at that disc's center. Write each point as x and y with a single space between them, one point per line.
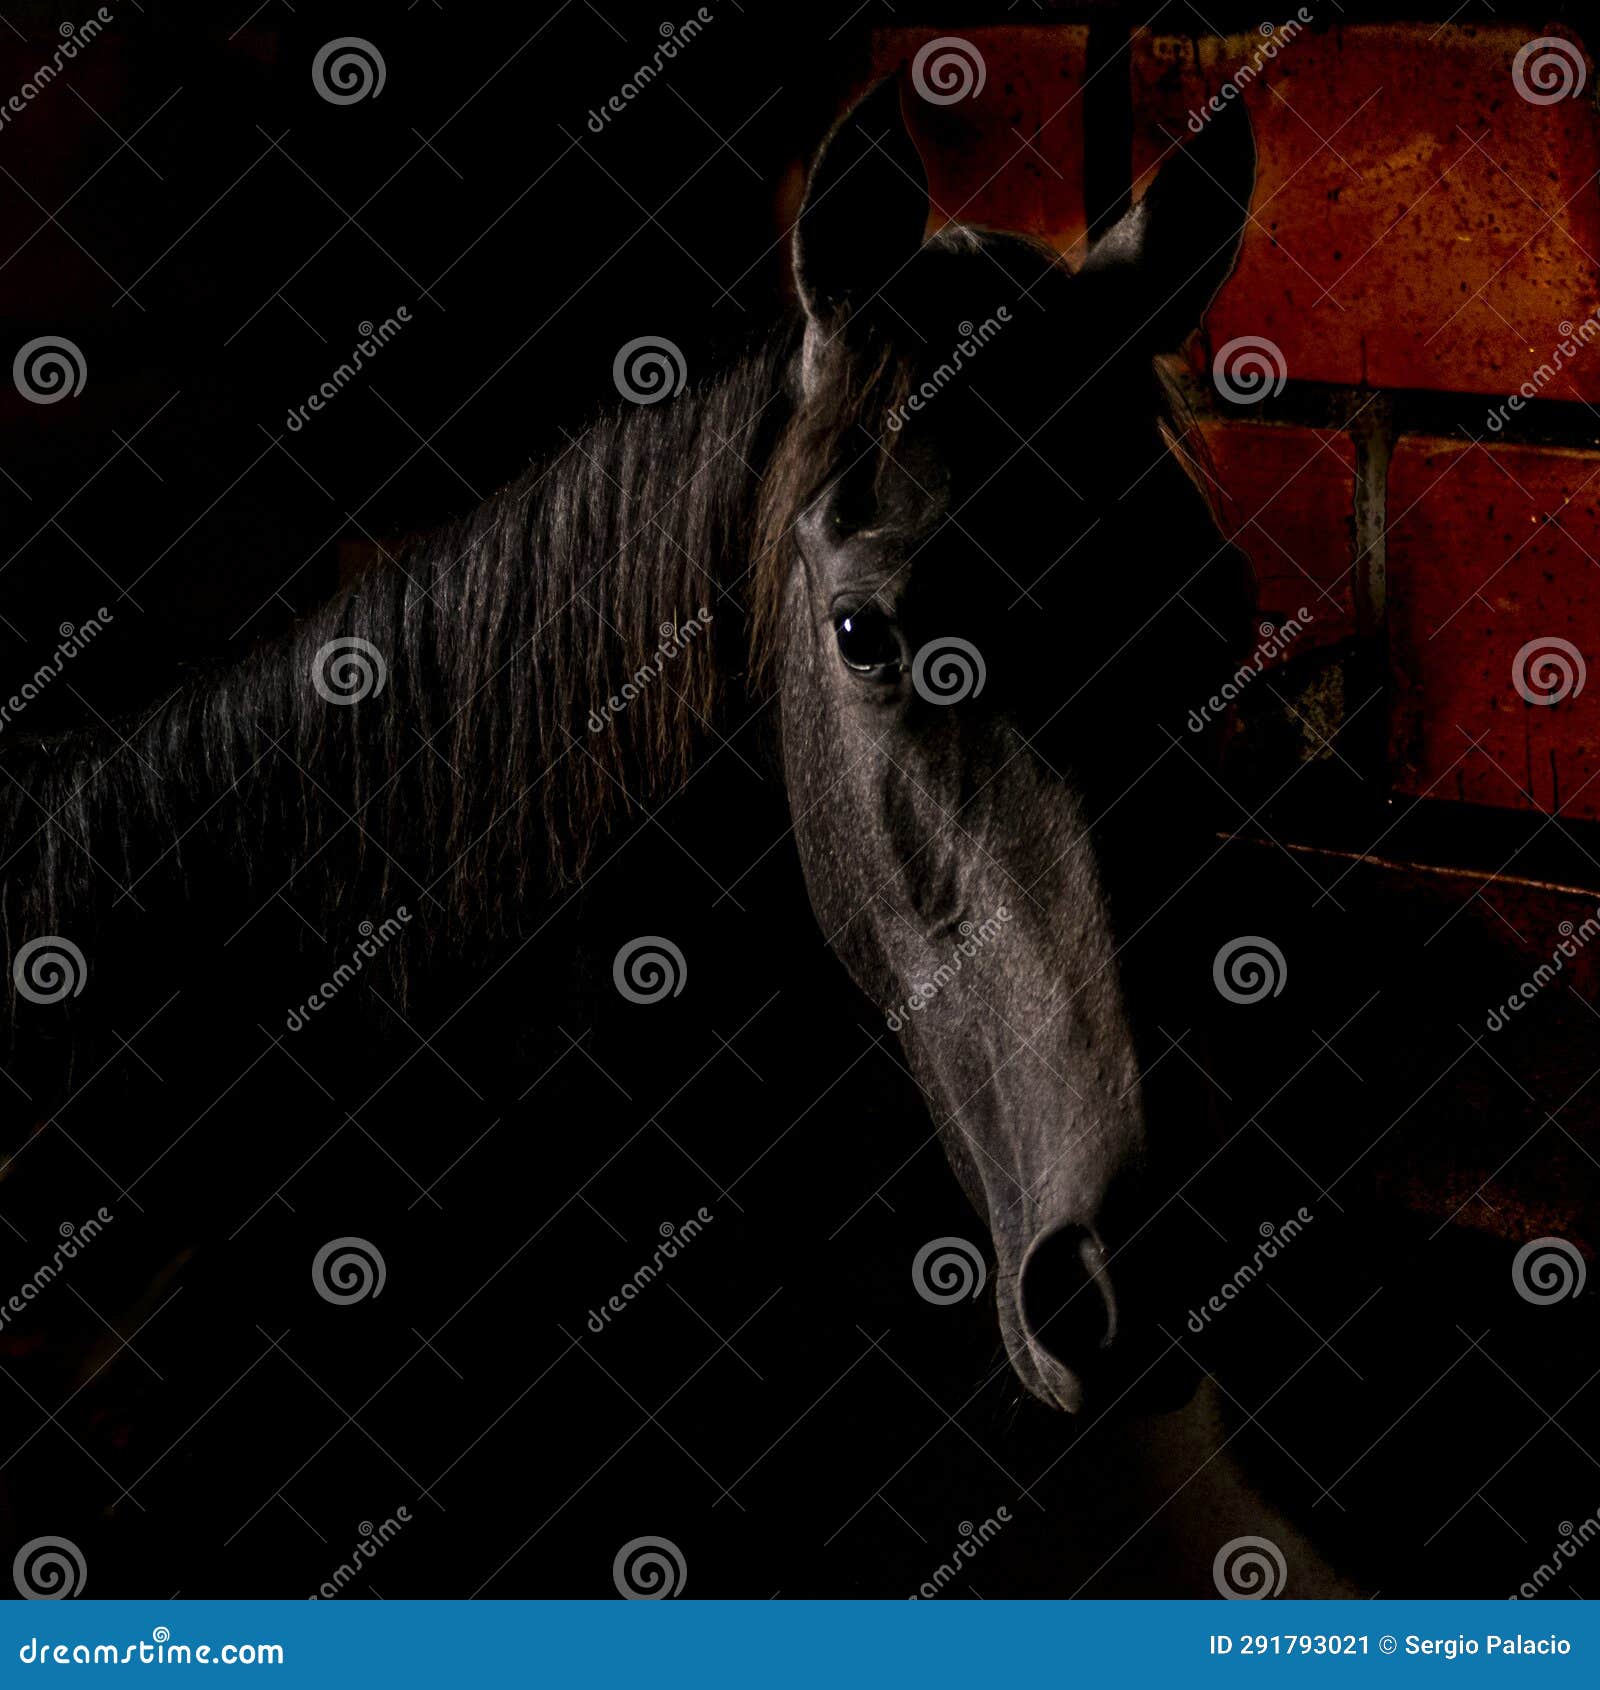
550 662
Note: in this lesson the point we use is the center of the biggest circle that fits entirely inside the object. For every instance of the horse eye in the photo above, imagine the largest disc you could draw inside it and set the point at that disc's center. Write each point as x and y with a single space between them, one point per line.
867 641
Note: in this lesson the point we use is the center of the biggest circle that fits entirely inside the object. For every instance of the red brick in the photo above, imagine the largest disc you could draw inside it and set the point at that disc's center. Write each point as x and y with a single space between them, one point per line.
1012 156
1491 548
1420 224
1286 497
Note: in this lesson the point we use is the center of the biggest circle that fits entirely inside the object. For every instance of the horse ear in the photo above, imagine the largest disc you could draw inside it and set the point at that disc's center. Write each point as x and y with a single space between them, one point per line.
1169 255
865 206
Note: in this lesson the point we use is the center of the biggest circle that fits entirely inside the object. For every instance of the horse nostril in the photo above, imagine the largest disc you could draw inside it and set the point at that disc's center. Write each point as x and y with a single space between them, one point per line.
1068 1310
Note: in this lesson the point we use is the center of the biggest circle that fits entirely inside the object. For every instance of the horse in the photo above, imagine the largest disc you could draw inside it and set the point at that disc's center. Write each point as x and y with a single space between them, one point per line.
946 526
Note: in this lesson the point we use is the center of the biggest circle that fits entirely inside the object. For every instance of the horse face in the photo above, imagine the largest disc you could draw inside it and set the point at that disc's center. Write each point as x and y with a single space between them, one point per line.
1005 587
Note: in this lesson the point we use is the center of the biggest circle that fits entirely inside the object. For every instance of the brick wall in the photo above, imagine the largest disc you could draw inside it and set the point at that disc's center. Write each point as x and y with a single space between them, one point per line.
1423 239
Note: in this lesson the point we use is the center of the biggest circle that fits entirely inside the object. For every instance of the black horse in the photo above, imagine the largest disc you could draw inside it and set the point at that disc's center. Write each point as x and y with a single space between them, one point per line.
943 534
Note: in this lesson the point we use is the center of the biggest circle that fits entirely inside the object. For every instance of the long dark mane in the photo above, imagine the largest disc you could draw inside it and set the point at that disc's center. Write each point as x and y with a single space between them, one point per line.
525 705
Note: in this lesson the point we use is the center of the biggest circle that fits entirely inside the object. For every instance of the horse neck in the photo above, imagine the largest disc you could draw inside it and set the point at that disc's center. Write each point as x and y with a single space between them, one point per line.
537 671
